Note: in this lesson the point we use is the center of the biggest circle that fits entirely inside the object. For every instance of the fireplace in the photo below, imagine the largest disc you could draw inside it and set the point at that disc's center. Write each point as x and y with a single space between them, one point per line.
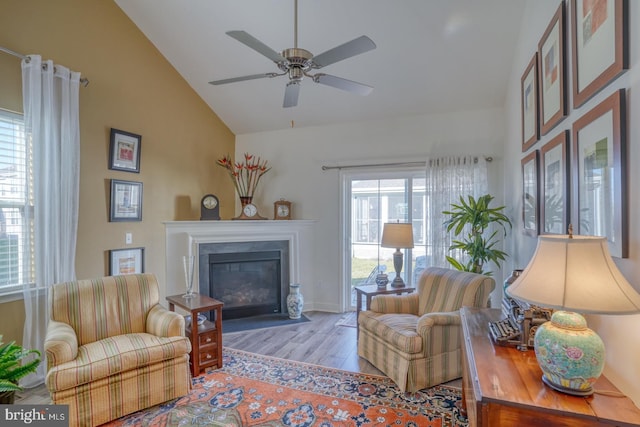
250 278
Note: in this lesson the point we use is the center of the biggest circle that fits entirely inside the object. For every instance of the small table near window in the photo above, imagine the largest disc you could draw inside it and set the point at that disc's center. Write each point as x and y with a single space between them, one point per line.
206 339
369 291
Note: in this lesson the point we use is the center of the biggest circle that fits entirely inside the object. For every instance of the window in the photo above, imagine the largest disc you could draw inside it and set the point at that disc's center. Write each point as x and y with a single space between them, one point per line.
16 205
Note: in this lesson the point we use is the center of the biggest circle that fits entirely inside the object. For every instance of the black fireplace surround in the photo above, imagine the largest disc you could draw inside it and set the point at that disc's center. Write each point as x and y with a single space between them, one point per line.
250 278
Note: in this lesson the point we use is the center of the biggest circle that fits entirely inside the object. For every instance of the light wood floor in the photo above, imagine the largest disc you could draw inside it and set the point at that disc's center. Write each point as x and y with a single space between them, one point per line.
319 341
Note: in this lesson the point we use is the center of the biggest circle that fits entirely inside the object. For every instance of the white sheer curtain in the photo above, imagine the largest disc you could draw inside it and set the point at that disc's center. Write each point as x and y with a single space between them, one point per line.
51 97
448 178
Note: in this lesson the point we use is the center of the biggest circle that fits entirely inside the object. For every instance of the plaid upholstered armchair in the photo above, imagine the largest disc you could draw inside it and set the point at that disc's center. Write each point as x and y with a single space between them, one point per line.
415 338
112 349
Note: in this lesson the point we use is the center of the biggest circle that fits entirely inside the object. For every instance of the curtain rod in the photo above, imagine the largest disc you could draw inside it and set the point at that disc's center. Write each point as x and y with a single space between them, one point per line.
84 80
424 163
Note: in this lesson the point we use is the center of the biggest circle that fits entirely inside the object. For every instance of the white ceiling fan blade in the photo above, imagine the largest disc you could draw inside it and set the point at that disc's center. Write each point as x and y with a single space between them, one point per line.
255 44
352 48
291 94
344 84
243 78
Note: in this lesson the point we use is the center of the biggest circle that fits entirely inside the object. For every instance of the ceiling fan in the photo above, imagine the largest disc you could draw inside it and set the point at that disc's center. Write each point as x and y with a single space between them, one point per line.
297 63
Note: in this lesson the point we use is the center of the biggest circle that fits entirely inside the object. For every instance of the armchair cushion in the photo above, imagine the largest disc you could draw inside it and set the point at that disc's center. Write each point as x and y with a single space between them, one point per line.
114 355
415 338
399 330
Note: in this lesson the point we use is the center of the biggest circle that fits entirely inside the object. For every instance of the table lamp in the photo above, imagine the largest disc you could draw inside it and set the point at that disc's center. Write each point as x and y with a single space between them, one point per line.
397 235
573 274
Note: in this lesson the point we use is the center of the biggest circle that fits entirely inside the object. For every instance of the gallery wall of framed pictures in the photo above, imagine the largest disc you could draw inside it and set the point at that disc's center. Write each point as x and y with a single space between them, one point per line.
125 198
574 160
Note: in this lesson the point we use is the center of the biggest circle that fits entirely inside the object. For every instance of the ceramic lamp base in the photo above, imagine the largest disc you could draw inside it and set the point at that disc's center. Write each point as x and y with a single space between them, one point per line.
397 265
570 355
567 390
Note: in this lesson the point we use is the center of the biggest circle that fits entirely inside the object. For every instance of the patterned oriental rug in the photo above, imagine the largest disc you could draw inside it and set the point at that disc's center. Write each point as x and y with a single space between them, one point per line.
255 390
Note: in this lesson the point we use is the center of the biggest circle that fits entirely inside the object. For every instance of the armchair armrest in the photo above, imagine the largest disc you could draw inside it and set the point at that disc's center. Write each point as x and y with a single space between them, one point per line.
402 304
429 320
60 343
164 323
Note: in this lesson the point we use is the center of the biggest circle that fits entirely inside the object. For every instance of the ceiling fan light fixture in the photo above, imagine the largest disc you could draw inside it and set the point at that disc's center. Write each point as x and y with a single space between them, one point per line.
296 74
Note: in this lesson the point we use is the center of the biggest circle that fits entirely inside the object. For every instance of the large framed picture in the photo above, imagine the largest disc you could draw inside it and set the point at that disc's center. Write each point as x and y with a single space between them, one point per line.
530 202
554 208
529 95
126 261
551 51
126 201
600 176
124 151
600 45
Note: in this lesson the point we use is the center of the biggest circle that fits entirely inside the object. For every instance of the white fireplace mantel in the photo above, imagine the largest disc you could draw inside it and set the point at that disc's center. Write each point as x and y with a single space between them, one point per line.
184 238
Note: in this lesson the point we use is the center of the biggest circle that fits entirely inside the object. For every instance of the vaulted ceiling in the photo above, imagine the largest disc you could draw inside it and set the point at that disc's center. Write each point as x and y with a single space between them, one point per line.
432 56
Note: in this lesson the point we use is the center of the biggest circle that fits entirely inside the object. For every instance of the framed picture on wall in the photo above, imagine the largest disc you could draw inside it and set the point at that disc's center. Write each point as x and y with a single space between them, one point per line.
600 45
126 201
529 107
126 261
551 72
530 201
554 208
124 151
599 167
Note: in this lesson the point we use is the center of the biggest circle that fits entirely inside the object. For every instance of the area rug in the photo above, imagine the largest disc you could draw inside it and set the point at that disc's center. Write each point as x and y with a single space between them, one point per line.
259 322
349 319
255 390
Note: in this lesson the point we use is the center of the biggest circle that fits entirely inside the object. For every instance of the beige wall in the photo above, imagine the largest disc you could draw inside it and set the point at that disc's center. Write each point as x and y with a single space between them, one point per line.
133 88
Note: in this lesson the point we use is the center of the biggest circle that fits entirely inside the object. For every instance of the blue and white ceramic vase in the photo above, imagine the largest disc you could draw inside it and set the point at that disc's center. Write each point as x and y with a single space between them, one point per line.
295 301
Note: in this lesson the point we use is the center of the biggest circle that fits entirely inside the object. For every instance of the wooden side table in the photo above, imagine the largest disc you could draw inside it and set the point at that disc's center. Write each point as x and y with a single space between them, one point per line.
206 339
369 291
502 386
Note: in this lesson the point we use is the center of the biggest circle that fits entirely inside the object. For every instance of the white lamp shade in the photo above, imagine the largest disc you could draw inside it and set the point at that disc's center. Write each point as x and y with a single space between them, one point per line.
577 274
397 235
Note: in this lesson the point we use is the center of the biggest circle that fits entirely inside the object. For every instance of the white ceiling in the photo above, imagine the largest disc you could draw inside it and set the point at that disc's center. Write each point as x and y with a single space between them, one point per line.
432 56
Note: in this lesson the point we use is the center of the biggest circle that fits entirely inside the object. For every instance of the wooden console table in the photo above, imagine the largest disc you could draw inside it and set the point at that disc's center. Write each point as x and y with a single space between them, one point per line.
206 339
502 386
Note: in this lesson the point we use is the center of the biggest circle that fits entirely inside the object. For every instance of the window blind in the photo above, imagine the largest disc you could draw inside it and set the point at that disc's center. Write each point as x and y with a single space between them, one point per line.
16 205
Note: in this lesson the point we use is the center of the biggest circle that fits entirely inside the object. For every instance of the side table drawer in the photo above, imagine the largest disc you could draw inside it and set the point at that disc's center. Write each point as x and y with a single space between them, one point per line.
208 356
208 338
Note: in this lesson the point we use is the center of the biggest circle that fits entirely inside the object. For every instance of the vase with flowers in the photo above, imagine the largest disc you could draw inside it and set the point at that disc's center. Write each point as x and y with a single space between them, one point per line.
245 175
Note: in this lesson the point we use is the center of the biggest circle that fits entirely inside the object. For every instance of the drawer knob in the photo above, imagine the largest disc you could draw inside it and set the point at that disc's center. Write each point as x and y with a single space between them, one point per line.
208 356
208 339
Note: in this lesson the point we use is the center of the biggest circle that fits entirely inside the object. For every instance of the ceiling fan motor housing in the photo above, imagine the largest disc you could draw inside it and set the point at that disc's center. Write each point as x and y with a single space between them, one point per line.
298 61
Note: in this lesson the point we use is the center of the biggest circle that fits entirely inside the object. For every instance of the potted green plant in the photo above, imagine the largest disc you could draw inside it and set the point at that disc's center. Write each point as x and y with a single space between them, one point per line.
471 219
12 368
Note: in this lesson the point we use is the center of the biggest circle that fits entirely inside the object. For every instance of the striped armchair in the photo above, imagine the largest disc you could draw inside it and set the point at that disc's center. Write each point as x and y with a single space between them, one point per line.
415 338
112 349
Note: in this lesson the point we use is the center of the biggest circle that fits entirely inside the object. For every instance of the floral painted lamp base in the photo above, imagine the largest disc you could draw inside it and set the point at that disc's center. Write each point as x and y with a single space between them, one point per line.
570 354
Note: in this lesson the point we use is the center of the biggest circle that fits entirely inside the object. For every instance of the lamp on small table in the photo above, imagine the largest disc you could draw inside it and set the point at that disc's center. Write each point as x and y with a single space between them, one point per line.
573 274
397 235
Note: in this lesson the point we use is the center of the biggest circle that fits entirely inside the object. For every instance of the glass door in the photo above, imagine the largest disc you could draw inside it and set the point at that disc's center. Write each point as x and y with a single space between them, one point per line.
373 199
